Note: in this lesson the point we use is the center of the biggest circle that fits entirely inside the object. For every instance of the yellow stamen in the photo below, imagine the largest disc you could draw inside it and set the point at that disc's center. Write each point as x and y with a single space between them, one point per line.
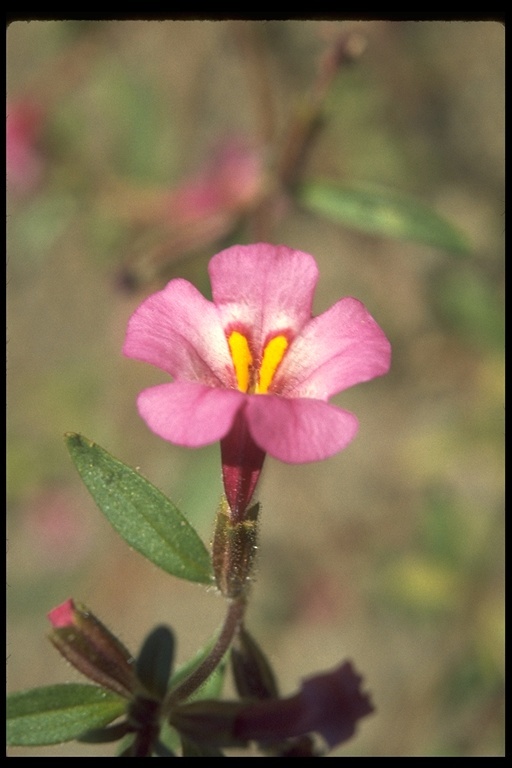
242 359
272 356
244 363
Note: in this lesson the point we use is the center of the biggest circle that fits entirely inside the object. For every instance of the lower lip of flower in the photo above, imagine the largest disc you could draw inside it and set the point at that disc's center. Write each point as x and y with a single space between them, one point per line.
250 378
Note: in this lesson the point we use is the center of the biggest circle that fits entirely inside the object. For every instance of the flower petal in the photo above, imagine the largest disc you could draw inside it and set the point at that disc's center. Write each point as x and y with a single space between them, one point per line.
179 331
264 288
339 348
189 414
63 615
299 430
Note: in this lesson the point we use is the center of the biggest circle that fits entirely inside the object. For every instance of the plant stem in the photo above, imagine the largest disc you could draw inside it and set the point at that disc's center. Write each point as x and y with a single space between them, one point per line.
305 125
232 623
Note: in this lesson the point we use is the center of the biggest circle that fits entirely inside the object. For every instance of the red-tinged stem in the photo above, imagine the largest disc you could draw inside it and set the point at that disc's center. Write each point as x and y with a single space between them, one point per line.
231 626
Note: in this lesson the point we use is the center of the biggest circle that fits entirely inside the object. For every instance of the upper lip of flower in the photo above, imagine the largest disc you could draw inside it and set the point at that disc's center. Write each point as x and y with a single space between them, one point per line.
256 337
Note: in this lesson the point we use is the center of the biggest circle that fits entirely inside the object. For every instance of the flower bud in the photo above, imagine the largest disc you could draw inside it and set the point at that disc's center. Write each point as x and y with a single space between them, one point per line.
91 648
254 678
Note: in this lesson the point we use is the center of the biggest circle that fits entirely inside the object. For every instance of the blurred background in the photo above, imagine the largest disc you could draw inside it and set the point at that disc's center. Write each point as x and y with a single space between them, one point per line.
391 553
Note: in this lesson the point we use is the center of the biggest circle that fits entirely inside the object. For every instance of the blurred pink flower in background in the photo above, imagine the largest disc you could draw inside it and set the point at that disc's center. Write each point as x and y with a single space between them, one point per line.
230 181
203 209
58 534
24 160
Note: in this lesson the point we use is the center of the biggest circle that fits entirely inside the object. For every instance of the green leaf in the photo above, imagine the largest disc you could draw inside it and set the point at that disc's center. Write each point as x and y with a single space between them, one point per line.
381 211
146 519
253 675
107 734
153 664
59 713
169 739
472 305
191 749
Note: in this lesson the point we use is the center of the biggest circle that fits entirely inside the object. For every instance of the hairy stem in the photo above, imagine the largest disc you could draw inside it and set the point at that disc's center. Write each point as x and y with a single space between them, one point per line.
232 623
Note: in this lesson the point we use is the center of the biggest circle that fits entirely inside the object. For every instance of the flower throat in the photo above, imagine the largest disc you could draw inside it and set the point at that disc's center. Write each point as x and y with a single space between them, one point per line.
256 381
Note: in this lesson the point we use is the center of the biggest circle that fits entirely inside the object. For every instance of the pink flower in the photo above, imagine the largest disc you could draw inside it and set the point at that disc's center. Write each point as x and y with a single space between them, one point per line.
255 356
